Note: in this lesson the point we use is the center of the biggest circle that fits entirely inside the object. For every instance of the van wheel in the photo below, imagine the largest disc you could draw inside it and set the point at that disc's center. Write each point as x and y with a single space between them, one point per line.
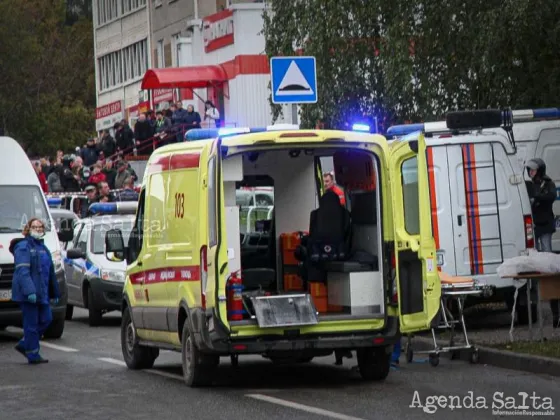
198 368
135 355
69 312
374 363
94 314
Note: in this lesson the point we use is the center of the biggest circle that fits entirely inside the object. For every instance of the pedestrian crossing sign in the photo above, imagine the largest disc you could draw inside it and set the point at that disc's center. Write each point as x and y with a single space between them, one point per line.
293 80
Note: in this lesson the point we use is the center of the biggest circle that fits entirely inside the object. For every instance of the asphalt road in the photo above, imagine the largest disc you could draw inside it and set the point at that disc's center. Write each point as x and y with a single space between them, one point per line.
86 379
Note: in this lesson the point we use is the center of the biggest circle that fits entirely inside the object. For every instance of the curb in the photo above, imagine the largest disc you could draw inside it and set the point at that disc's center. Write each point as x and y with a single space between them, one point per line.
499 358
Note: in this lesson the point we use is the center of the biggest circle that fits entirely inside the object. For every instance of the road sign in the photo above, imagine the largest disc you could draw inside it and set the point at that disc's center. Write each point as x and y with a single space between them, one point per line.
294 80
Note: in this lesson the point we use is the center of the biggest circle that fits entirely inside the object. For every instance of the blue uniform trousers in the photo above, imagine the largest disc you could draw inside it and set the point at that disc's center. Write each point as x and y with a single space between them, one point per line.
36 318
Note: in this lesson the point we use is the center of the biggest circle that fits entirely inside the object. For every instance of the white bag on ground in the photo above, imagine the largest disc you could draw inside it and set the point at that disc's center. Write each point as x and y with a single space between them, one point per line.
535 262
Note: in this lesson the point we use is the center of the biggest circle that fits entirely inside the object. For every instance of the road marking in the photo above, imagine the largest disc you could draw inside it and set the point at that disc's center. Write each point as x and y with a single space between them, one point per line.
57 347
113 361
302 407
165 374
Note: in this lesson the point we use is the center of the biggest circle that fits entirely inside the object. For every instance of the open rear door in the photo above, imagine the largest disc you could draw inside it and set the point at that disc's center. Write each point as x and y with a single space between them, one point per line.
419 288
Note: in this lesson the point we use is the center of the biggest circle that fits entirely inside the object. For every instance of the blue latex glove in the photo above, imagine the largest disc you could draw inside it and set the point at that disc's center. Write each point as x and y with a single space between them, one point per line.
32 298
54 301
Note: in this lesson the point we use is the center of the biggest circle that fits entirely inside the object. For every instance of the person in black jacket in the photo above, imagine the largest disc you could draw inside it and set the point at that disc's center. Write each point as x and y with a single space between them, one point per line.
542 192
69 181
124 137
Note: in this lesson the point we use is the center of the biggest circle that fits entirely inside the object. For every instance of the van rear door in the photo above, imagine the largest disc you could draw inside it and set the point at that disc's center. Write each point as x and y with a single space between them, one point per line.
419 288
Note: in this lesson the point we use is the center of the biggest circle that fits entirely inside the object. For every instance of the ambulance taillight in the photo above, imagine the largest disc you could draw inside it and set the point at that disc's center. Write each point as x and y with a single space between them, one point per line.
203 274
529 232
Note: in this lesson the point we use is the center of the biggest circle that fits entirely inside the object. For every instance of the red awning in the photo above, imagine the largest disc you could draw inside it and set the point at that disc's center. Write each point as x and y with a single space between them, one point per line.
183 77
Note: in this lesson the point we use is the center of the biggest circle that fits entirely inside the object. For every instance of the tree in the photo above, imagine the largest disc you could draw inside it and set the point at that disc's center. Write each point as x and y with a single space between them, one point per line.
46 83
416 60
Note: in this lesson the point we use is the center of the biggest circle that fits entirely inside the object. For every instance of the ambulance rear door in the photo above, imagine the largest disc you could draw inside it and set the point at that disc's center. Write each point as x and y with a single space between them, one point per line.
419 288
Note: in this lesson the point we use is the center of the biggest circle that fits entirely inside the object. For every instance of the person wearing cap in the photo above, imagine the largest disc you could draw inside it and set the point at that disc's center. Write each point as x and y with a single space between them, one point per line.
542 192
91 197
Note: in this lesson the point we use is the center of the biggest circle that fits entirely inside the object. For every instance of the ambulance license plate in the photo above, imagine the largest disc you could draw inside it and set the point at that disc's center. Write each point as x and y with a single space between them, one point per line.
284 310
5 295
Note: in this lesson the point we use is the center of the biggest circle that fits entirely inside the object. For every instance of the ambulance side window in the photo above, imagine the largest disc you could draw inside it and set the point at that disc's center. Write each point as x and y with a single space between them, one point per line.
410 196
212 213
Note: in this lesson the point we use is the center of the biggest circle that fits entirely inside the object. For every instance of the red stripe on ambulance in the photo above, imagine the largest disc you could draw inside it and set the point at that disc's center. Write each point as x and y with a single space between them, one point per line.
174 162
168 274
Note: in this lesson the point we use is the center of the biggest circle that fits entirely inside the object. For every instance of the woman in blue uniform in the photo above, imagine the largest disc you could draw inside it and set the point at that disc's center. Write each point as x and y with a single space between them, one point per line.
34 286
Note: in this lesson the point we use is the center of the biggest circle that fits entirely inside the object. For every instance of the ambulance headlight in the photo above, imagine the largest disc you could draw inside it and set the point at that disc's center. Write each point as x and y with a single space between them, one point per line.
113 275
57 261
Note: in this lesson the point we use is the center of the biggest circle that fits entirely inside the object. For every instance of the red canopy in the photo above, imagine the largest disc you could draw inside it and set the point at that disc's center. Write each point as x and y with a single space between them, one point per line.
183 77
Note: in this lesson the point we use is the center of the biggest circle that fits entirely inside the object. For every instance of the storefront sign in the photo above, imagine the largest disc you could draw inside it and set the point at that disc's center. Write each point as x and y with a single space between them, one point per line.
107 115
218 30
162 95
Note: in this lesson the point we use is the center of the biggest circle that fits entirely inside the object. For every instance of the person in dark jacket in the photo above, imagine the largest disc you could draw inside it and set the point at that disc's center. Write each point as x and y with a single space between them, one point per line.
143 130
128 193
124 137
542 192
34 287
107 145
110 173
90 153
91 197
192 120
69 181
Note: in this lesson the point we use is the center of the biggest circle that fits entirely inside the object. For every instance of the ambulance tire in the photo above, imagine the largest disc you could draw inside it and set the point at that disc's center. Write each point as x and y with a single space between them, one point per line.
374 363
198 368
135 356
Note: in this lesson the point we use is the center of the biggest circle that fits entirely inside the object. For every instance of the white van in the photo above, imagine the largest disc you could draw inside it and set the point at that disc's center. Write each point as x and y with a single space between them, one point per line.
481 213
537 135
21 198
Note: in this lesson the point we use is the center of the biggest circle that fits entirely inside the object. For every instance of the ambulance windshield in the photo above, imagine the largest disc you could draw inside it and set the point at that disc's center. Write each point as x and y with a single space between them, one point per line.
18 204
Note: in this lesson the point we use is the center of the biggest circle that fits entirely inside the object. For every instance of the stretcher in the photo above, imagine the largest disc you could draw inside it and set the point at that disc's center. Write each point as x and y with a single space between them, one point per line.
454 290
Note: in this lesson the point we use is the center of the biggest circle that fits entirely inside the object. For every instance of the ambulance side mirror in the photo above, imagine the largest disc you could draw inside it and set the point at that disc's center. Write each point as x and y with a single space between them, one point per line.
114 245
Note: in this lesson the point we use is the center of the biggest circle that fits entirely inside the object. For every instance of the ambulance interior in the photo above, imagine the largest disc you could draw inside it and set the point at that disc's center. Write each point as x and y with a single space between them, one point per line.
287 236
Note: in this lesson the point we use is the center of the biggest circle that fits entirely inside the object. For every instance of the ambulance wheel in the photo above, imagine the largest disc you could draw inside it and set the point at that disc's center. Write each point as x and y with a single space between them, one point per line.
198 368
56 328
69 312
434 360
234 360
94 314
135 356
374 363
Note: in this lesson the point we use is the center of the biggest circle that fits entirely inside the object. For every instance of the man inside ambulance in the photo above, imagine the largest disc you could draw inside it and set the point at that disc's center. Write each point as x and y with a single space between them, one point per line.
328 182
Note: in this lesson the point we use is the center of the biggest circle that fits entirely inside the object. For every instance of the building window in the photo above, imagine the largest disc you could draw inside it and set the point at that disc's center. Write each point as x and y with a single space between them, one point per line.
107 10
160 59
130 5
175 46
122 66
110 70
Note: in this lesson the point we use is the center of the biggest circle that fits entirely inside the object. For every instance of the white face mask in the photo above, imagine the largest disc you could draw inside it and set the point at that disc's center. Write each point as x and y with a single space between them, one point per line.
37 235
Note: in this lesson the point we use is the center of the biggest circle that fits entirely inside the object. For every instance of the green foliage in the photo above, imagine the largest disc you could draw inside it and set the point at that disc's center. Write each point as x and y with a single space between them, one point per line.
47 89
416 60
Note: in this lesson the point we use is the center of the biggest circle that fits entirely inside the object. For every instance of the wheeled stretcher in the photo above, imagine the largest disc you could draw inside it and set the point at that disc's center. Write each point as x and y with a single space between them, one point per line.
454 291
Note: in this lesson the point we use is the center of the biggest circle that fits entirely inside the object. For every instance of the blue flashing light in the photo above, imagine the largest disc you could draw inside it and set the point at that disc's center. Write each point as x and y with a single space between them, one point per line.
126 207
546 113
201 134
404 129
361 127
54 201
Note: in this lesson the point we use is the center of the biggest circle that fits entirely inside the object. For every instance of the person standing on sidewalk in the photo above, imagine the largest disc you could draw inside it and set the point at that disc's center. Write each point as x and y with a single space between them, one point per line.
542 193
34 286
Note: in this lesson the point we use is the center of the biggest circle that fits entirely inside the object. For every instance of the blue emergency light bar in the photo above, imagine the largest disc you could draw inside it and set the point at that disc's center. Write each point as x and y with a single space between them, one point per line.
125 207
212 133
54 201
364 128
523 115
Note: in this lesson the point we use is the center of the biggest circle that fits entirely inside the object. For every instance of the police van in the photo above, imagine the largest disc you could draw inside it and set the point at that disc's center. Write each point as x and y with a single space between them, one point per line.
95 281
481 212
313 278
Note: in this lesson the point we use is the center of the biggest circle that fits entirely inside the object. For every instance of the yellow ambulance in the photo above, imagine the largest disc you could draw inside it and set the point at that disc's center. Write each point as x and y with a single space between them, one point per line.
299 276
